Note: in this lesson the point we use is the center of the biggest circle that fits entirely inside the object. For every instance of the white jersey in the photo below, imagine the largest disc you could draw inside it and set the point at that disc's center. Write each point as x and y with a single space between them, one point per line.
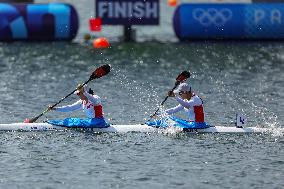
92 108
193 108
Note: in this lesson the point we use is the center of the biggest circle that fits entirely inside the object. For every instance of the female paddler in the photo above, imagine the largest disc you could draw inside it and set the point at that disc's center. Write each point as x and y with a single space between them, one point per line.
190 103
90 104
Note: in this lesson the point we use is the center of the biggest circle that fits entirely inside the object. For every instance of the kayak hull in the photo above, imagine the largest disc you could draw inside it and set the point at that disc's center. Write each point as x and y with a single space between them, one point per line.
128 128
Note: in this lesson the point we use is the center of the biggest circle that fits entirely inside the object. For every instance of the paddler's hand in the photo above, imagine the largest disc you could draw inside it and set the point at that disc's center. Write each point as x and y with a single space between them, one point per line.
154 116
80 88
171 94
50 107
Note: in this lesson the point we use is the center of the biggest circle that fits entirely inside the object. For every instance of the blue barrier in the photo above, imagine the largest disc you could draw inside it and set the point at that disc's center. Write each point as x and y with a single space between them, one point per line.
44 22
229 21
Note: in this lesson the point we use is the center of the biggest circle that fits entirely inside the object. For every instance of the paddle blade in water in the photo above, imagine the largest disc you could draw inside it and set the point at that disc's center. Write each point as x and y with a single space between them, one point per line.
183 76
101 71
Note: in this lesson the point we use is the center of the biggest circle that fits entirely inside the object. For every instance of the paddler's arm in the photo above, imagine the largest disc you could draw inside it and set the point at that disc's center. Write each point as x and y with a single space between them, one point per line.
174 110
77 105
186 104
96 100
182 102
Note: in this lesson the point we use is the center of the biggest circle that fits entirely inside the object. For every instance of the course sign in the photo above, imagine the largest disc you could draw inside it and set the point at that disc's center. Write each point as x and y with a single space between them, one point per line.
128 12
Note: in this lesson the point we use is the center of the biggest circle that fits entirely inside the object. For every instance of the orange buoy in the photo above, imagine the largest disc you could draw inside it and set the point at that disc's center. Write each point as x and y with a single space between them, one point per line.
172 3
101 42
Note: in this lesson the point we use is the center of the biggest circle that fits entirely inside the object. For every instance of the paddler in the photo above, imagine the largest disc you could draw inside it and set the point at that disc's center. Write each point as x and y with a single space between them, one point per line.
190 103
90 104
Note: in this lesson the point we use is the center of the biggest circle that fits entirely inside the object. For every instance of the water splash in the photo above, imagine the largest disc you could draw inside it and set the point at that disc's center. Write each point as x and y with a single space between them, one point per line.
142 95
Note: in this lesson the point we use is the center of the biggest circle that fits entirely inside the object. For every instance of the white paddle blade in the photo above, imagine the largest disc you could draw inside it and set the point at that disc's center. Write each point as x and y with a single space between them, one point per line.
241 120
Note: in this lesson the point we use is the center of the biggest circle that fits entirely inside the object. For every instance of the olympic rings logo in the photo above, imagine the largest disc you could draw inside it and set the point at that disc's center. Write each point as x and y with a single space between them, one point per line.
212 16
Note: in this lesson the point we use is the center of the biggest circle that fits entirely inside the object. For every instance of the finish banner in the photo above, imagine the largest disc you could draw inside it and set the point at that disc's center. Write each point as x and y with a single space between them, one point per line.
128 12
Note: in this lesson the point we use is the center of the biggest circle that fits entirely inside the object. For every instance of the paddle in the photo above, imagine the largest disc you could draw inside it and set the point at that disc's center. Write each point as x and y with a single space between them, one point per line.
180 78
99 72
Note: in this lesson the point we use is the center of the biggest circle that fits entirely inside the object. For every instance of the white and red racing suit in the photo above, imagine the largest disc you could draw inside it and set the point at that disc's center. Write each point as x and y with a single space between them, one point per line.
192 107
93 108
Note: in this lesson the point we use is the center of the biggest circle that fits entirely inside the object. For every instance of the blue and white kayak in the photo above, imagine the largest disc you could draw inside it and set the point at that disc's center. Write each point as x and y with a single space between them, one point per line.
131 128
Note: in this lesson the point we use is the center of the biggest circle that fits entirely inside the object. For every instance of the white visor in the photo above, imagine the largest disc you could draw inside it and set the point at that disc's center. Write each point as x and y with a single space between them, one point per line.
183 87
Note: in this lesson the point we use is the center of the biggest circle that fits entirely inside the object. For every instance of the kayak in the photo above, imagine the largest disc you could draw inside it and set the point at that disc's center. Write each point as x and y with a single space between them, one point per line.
50 127
131 128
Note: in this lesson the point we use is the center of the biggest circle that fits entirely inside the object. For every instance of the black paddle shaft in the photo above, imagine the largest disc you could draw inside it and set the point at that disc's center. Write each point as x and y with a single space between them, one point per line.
177 83
180 78
36 118
99 72
69 94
